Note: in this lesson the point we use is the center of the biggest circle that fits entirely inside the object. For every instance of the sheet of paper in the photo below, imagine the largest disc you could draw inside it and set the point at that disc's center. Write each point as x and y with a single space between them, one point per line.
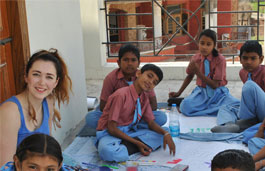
199 124
196 154
161 157
91 102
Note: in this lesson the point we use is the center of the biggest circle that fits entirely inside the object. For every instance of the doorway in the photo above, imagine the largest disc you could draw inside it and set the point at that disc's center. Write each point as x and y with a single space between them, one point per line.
14 47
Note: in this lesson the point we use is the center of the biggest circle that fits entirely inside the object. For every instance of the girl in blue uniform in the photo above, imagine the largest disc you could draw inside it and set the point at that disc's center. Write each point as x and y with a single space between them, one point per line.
210 68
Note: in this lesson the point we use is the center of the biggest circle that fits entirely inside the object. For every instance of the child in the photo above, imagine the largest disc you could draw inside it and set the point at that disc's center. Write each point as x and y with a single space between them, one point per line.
237 160
252 106
210 68
33 111
256 147
118 127
36 152
129 61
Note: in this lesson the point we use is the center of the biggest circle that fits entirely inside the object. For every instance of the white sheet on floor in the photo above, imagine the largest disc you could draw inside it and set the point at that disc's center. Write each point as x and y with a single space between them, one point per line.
196 154
198 124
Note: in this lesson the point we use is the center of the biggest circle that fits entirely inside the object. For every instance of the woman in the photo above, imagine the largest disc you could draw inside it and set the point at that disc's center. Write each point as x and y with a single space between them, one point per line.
33 110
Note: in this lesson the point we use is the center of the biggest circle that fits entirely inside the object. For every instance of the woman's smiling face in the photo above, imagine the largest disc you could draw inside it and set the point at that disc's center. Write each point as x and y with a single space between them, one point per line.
41 79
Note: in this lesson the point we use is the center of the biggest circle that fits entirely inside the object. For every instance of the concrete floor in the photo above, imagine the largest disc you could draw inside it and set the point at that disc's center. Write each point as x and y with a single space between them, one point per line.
162 90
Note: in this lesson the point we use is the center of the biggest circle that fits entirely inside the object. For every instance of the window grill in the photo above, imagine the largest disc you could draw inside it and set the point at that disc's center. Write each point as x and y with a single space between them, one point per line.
180 27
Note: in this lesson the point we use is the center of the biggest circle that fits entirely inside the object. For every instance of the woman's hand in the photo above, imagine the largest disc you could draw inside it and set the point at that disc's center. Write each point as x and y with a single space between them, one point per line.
168 141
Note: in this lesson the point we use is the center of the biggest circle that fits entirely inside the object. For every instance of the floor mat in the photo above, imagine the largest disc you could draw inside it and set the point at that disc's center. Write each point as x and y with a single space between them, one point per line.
196 154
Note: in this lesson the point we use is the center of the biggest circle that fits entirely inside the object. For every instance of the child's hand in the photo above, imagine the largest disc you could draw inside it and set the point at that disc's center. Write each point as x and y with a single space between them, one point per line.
144 149
173 94
193 66
168 141
258 165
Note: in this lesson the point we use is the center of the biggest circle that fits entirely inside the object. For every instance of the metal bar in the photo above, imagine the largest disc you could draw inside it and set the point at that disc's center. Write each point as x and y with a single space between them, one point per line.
258 21
175 20
173 55
5 41
237 40
130 28
124 14
224 12
107 26
153 18
181 27
209 14
233 26
127 0
124 42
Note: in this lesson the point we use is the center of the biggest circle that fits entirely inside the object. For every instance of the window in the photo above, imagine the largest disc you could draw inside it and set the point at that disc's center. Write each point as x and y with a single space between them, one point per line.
147 25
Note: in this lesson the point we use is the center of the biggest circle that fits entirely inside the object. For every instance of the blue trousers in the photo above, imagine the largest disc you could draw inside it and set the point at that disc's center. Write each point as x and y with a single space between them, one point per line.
252 105
111 149
199 104
93 117
255 144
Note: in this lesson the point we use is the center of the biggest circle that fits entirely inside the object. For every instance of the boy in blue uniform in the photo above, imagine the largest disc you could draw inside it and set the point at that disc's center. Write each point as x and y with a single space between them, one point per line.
251 109
129 61
119 124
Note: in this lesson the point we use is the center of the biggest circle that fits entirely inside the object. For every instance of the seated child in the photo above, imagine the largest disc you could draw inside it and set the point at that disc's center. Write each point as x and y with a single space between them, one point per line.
210 68
251 109
118 127
256 147
129 61
37 151
233 160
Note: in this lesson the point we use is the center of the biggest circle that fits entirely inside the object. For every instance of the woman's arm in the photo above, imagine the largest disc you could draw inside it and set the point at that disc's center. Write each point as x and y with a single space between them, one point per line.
9 126
114 131
50 101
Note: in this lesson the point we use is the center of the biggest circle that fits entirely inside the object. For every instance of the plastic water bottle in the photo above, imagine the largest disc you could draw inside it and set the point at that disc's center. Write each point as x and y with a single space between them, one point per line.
174 121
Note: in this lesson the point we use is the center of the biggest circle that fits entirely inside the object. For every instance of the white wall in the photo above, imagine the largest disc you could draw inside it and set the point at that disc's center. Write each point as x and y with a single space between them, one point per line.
93 23
57 24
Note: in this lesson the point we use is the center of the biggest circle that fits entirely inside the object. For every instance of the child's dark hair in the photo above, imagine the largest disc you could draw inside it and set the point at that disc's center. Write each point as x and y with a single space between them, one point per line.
212 34
129 48
251 46
39 144
153 68
236 159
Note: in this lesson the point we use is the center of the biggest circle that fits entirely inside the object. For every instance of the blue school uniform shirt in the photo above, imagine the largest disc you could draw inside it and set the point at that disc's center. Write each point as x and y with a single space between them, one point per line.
23 131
